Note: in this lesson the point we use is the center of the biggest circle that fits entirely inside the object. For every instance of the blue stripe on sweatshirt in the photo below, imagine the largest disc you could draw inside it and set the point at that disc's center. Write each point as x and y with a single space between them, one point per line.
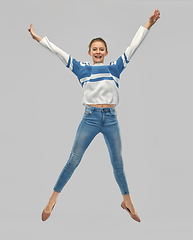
101 79
69 60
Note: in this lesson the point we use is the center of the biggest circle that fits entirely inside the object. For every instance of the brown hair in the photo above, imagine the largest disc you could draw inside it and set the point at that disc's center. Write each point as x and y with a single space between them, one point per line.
97 40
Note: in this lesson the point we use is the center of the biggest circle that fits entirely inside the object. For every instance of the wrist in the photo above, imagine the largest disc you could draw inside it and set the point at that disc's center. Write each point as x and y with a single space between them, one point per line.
36 37
148 25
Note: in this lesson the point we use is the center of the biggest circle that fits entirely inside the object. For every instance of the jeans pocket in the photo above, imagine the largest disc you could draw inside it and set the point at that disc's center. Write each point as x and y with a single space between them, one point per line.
88 111
113 112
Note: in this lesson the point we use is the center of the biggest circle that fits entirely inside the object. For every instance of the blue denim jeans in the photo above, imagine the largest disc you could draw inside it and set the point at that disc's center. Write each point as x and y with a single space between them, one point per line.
94 121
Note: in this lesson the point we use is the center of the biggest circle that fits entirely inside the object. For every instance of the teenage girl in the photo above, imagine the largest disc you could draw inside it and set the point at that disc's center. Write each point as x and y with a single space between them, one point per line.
100 96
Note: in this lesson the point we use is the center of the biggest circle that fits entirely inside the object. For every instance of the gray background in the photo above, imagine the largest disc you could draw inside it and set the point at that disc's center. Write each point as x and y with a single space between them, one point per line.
40 109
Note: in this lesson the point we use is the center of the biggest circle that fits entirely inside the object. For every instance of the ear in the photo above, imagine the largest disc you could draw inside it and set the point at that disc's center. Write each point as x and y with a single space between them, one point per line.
106 53
89 53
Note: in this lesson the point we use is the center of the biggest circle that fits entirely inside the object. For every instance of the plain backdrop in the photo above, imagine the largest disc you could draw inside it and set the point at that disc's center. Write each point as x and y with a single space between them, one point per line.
41 107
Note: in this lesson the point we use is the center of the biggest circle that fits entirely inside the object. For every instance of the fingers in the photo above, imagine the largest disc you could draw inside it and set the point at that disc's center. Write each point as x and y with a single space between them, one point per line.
157 12
31 28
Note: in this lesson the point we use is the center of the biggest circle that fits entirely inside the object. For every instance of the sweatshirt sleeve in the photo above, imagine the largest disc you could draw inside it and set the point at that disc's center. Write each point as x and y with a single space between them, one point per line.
56 50
67 59
137 40
123 60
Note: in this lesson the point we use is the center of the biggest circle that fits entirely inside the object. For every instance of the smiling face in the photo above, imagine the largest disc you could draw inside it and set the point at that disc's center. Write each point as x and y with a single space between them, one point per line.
98 52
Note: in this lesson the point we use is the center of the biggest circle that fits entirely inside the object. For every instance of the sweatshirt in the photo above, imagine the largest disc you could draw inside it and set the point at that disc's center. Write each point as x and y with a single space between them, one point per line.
100 82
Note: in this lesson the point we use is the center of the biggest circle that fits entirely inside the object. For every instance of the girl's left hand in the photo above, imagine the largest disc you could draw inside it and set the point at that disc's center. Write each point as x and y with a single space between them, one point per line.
154 17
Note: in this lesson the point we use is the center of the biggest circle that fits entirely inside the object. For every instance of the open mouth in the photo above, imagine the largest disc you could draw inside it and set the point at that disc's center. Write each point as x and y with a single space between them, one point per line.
98 57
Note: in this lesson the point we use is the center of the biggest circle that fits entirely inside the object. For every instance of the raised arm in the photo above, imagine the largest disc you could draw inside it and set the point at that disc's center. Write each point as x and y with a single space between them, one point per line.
50 46
141 34
34 36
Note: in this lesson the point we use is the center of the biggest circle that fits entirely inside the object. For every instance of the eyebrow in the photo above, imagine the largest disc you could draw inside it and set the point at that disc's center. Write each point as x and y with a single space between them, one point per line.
99 47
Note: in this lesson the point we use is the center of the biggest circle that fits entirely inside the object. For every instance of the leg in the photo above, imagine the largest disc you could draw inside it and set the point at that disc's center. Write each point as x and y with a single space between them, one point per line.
84 136
113 140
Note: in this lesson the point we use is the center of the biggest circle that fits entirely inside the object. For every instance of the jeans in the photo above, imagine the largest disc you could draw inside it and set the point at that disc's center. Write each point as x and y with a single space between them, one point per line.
94 121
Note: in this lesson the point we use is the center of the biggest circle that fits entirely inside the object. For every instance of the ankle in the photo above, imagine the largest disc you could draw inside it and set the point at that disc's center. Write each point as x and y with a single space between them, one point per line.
54 196
52 200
